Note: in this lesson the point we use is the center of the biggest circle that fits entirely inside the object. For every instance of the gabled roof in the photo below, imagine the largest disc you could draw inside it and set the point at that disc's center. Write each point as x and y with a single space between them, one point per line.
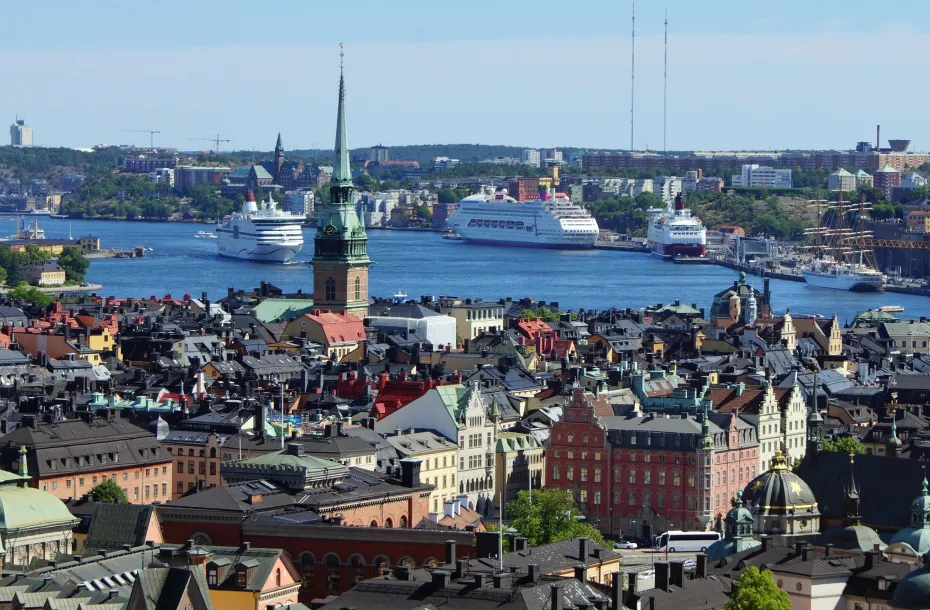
114 525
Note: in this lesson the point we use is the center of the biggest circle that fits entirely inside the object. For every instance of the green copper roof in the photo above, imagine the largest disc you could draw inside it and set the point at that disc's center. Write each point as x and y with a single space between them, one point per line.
283 458
9 478
862 174
342 174
27 508
887 170
270 310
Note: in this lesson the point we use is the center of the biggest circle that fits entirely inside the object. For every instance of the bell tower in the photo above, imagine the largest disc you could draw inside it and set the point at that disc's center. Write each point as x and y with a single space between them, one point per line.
340 248
278 159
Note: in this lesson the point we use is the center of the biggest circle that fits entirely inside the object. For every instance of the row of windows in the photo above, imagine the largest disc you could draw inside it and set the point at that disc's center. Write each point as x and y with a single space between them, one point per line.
570 454
330 289
190 452
201 470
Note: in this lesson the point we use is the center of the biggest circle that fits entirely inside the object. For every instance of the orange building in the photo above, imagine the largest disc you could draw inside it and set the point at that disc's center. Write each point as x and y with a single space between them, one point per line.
68 458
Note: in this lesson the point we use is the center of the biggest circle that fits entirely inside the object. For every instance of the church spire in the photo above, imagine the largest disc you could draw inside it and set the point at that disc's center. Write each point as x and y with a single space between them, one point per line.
342 173
853 500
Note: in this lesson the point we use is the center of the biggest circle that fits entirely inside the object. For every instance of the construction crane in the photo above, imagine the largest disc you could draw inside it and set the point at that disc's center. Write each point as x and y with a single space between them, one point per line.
217 139
151 133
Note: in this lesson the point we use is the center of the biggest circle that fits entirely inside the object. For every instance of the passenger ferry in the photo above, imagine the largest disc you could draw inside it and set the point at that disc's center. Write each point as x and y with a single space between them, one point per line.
551 221
675 232
263 234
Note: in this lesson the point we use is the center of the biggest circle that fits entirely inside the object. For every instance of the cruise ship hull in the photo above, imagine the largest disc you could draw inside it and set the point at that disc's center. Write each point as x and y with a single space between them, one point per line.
272 253
526 244
673 250
840 281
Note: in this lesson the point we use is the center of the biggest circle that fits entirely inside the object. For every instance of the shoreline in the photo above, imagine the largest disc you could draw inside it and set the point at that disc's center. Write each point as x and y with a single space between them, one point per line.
53 290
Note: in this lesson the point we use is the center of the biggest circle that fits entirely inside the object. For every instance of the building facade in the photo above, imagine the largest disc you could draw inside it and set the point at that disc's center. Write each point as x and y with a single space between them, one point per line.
640 475
20 134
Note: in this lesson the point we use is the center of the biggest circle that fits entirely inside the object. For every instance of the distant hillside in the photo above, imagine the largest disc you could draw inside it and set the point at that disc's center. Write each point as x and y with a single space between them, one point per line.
425 153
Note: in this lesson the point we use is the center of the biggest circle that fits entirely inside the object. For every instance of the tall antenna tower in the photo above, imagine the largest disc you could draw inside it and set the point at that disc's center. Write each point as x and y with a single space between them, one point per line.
665 83
632 74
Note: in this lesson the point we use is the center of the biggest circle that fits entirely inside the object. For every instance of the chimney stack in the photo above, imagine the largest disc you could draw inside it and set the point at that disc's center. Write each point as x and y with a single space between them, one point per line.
450 551
556 601
662 576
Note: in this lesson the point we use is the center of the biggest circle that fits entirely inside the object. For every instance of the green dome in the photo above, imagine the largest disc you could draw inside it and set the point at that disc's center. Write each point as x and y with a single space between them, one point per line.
913 591
853 538
26 508
916 538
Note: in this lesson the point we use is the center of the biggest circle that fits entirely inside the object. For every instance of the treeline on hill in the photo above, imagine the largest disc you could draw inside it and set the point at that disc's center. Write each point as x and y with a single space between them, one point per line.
32 162
12 261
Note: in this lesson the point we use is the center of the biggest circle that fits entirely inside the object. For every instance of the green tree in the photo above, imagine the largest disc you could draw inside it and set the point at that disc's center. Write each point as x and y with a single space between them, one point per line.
108 491
74 263
446 195
844 444
543 313
549 515
756 590
29 294
35 254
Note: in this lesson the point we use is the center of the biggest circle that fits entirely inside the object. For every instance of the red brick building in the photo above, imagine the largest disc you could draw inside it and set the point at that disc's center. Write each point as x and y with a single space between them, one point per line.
641 475
524 189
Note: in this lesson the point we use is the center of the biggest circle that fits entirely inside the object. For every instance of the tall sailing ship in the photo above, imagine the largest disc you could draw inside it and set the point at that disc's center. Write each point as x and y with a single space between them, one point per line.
839 258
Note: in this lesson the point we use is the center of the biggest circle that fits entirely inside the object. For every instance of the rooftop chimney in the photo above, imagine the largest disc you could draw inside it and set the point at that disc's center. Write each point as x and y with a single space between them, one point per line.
450 551
410 472
700 570
662 575
581 572
584 549
677 574
556 600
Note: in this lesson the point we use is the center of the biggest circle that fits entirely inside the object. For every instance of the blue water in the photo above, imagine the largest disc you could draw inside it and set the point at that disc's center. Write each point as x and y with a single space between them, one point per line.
423 263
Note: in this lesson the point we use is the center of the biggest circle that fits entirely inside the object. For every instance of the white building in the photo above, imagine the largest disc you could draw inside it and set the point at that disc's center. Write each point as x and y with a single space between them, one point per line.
299 202
162 175
460 414
913 180
689 184
444 162
20 134
756 176
841 180
398 318
530 156
667 187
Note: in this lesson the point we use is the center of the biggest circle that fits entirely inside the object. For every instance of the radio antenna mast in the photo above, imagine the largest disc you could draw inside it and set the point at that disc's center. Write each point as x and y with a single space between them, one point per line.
632 73
665 84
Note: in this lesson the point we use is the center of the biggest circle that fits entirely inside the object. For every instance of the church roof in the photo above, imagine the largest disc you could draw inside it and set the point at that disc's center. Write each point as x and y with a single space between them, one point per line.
778 491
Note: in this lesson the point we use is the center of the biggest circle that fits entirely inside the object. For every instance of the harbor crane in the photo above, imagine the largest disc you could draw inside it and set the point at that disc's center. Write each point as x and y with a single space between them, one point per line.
217 139
151 133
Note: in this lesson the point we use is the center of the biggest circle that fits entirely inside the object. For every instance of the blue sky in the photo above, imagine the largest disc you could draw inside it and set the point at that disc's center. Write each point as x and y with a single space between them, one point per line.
742 75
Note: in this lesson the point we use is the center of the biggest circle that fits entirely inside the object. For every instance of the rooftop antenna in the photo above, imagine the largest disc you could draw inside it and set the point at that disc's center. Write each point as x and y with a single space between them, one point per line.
632 74
665 83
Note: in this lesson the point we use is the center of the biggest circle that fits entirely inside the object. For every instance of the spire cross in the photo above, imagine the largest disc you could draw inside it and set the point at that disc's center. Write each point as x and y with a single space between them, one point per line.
341 55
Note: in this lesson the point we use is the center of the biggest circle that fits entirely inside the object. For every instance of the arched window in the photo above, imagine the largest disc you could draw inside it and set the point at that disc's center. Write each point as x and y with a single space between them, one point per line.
307 565
201 453
403 522
330 289
382 565
332 573
407 562
357 568
431 562
213 452
374 523
388 523
201 539
190 452
358 289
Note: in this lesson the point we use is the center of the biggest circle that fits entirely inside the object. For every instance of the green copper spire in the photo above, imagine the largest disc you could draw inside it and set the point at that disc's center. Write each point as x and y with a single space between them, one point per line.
342 173
707 442
23 466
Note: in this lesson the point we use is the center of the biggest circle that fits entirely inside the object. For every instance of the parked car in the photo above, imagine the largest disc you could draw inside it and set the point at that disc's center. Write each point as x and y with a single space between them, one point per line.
626 544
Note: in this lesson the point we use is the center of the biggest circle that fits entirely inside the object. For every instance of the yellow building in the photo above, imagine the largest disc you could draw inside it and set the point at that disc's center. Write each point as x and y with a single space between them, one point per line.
473 318
43 274
439 456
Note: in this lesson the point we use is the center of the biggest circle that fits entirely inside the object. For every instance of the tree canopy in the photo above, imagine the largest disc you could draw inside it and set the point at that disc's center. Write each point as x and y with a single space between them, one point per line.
549 515
108 491
29 294
74 263
844 444
756 590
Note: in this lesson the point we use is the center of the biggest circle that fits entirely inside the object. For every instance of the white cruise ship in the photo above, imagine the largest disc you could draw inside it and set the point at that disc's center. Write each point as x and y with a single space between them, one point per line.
827 273
675 232
263 233
548 222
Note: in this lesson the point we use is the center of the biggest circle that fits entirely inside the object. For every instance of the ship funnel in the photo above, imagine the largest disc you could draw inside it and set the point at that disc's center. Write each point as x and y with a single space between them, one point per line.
679 202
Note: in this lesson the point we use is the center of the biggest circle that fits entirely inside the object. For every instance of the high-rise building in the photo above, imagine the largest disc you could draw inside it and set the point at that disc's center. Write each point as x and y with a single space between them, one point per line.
340 256
530 156
553 154
379 154
20 134
885 179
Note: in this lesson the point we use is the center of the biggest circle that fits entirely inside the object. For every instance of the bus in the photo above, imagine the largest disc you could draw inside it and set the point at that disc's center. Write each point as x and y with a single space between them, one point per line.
685 542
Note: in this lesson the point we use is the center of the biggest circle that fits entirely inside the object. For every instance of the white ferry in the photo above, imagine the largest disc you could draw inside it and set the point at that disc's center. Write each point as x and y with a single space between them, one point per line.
858 277
547 222
263 234
675 232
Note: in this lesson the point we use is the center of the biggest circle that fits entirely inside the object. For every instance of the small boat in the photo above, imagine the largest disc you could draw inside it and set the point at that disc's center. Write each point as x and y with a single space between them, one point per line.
452 235
400 296
204 235
891 309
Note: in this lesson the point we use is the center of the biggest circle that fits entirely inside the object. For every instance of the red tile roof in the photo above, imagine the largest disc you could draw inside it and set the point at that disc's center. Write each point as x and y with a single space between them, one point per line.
338 327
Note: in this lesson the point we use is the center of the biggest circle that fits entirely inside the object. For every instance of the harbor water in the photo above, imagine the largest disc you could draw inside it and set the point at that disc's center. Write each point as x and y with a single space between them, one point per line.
422 263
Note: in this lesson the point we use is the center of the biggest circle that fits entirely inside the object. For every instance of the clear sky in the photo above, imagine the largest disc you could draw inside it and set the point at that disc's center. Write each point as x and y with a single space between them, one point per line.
759 75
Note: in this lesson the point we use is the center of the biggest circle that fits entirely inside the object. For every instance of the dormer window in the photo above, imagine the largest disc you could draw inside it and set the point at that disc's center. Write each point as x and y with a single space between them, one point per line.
242 578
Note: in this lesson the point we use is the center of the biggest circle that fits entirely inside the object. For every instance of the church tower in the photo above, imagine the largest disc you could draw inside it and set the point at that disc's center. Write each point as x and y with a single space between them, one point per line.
340 252
278 159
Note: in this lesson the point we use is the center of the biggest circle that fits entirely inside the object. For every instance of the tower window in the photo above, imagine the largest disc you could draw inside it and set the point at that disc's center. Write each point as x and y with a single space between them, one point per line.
358 289
330 289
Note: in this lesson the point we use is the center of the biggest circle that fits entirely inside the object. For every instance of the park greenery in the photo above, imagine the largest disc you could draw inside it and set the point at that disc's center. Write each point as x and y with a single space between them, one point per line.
24 293
108 491
549 515
756 590
543 313
71 259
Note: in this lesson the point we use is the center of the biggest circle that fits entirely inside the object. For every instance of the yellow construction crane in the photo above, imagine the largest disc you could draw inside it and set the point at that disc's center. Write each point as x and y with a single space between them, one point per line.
151 133
217 139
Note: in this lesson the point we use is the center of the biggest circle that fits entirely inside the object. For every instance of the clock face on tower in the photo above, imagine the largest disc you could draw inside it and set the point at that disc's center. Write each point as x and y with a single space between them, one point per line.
330 230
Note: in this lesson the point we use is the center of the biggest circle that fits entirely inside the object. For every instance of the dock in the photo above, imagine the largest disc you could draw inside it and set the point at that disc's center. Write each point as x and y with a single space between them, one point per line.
692 260
623 246
137 252
760 271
